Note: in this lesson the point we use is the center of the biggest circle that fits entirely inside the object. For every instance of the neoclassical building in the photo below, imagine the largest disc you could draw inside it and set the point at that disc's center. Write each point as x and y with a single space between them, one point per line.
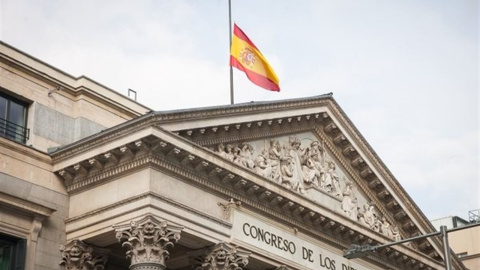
91 179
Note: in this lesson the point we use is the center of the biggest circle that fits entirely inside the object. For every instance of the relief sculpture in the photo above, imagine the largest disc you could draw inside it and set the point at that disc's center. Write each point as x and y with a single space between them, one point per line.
289 164
349 202
303 165
370 218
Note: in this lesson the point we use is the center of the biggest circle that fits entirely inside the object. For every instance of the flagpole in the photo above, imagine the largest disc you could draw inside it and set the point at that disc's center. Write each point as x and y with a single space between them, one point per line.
230 32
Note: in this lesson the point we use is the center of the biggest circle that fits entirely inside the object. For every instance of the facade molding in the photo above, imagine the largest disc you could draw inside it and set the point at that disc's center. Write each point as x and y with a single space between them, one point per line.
22 149
29 208
75 86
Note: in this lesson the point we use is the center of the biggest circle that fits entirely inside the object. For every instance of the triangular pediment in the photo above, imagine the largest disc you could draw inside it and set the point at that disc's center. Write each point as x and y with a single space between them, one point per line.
321 156
301 161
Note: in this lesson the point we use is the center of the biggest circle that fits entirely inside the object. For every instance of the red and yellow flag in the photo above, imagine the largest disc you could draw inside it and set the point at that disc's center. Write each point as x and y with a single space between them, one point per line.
245 56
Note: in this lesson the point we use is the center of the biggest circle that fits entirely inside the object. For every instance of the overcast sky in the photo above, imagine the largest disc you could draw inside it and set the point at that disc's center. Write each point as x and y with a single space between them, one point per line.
405 72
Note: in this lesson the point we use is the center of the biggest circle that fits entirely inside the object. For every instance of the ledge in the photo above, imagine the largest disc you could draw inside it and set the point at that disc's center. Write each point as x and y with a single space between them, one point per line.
26 207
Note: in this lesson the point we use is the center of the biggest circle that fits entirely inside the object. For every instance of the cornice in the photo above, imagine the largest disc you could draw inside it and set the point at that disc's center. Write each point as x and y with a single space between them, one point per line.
159 118
415 213
75 86
254 130
29 208
386 173
243 108
101 139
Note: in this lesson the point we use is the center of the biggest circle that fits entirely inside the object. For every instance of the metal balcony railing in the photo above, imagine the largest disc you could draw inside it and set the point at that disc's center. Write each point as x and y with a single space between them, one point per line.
13 131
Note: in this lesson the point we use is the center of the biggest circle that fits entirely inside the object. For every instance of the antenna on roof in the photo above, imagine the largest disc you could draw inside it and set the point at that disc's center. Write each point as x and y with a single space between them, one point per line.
133 92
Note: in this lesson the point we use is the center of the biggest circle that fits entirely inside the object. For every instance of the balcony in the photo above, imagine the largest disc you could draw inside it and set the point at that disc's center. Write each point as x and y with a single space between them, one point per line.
13 131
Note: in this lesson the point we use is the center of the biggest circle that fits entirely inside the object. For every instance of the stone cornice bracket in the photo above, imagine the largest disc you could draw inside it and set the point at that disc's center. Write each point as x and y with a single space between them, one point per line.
76 255
147 241
227 206
224 256
35 228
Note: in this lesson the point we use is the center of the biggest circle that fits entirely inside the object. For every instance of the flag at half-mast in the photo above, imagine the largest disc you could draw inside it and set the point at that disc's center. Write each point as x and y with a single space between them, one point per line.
245 56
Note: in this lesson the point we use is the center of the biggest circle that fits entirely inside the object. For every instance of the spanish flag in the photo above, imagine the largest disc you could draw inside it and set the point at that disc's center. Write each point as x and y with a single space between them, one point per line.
245 56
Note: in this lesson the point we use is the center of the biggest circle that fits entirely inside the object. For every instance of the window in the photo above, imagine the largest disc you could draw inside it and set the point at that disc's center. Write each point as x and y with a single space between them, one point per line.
12 253
13 119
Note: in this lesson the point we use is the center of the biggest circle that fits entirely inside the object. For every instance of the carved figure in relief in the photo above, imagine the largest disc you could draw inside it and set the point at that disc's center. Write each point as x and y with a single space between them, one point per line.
237 155
288 176
396 234
229 153
262 164
369 215
310 173
377 225
318 150
331 182
275 155
385 228
246 153
354 213
328 181
295 153
221 151
319 169
349 202
361 218
300 152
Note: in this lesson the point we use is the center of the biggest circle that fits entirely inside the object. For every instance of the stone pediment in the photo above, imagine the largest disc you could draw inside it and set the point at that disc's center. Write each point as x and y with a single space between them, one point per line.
341 172
302 161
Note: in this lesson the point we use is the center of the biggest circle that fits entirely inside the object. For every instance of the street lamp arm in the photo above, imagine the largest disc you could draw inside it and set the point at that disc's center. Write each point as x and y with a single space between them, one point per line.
408 240
358 251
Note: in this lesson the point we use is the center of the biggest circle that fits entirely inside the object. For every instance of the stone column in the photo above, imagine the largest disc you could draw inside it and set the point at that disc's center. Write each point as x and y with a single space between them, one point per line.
76 255
224 256
147 241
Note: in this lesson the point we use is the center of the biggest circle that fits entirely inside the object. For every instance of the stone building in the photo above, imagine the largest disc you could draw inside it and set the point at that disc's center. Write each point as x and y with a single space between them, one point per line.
90 179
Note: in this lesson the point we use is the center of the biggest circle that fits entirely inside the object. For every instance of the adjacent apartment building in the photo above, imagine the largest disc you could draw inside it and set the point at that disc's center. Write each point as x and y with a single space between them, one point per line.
464 242
90 179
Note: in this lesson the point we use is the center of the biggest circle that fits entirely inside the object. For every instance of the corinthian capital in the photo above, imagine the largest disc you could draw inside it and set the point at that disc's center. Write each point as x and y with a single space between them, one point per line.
224 256
77 255
147 241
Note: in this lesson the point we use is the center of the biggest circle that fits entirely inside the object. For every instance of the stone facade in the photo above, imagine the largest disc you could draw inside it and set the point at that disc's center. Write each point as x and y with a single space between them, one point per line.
104 183
34 203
